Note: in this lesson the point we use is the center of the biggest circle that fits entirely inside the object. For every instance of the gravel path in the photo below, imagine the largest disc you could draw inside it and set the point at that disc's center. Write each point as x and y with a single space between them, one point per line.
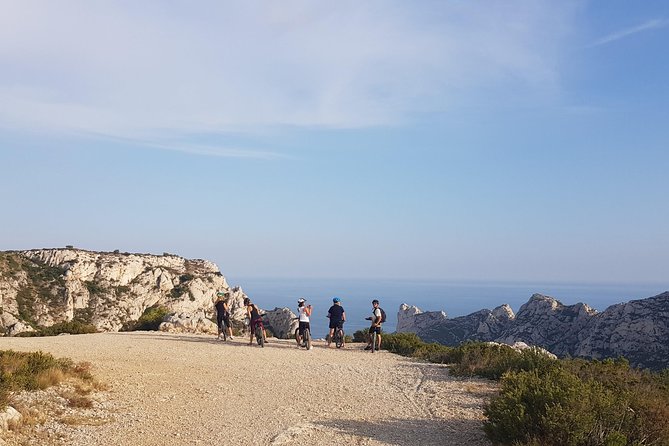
188 389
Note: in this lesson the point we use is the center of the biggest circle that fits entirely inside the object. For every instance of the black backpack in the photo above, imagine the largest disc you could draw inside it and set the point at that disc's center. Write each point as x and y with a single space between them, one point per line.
383 315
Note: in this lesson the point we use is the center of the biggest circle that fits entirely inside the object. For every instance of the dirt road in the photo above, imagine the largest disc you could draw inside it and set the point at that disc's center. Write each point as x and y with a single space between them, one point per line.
169 389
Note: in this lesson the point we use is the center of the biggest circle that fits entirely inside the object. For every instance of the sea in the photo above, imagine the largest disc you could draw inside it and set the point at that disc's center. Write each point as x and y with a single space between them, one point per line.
455 298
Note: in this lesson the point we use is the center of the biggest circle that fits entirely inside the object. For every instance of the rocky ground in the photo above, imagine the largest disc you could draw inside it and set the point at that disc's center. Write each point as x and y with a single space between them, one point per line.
188 389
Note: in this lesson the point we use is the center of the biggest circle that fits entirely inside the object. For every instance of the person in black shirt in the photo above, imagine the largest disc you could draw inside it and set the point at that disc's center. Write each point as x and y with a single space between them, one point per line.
337 317
223 313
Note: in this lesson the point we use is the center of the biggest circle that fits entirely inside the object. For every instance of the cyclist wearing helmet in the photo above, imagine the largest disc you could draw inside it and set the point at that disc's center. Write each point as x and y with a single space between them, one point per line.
376 324
304 311
337 317
253 313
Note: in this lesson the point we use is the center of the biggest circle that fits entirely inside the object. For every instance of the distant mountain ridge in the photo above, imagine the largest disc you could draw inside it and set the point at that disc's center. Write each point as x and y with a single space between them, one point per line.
637 330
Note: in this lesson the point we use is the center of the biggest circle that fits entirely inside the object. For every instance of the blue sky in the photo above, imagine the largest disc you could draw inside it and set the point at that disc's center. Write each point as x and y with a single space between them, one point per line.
510 140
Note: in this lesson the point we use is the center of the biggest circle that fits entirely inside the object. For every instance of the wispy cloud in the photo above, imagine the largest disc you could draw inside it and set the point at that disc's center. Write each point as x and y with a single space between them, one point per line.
647 26
143 69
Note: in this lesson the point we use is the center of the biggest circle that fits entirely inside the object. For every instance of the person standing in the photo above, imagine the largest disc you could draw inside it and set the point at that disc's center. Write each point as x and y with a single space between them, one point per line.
337 317
223 313
377 320
304 312
255 319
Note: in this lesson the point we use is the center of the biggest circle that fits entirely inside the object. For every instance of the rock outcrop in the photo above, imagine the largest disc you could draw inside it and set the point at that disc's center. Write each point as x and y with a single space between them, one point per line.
43 287
637 330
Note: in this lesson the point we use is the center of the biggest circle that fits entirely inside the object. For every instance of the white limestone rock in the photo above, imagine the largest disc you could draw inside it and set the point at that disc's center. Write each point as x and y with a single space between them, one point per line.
411 319
108 290
8 416
282 322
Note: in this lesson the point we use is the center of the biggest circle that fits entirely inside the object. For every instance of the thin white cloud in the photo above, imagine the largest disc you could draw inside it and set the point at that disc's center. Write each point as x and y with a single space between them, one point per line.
647 26
155 71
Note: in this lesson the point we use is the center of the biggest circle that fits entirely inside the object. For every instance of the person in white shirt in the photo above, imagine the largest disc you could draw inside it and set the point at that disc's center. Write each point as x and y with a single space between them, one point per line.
377 320
304 311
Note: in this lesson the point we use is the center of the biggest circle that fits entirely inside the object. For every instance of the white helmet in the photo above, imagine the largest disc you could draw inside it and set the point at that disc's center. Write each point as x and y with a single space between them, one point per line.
301 300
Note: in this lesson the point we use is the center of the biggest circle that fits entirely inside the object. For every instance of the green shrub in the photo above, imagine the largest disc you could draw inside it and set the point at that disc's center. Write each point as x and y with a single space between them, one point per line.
94 287
404 344
434 352
578 403
151 319
361 335
493 360
71 327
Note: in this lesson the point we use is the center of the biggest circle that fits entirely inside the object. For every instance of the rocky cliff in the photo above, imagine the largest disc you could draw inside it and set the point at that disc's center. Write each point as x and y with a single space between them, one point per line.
637 330
43 287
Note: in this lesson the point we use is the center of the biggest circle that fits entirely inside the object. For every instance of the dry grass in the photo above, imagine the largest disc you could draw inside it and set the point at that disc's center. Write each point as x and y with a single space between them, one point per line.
49 377
76 400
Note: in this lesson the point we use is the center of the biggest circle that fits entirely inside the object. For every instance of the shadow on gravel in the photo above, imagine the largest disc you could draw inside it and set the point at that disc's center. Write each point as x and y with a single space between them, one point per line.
421 432
239 341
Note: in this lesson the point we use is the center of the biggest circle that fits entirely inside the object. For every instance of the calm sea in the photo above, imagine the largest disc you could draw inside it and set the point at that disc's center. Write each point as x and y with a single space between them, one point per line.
455 298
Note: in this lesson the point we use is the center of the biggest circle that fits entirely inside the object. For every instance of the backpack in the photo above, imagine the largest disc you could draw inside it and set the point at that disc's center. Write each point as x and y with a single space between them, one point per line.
383 315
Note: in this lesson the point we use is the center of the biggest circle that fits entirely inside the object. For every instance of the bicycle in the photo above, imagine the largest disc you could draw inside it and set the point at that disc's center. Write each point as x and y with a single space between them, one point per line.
258 330
306 336
375 338
338 336
223 330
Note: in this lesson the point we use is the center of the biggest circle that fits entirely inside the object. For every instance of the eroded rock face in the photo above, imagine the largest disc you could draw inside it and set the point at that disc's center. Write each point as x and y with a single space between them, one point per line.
412 320
282 322
637 330
47 286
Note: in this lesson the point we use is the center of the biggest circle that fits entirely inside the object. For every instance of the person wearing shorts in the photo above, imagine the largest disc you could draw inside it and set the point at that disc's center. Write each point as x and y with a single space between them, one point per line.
376 324
223 313
303 311
253 313
337 317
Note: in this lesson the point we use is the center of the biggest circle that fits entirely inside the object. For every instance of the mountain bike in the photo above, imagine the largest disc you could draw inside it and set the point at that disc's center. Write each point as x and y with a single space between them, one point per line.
223 330
306 337
338 336
376 339
259 329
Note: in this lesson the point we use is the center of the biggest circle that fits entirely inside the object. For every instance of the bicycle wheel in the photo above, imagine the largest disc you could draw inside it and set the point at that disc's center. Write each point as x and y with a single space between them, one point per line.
259 337
374 338
307 338
339 338
224 332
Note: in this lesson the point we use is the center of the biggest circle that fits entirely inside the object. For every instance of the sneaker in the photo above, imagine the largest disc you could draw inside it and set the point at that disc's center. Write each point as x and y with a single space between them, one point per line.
369 347
231 338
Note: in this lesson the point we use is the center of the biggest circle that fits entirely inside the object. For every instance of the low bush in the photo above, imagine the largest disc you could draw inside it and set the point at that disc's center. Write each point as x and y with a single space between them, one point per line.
360 335
404 344
493 360
33 371
579 402
151 319
71 327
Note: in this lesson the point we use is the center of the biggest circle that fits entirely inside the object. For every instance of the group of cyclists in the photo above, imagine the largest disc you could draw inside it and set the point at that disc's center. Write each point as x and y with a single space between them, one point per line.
336 314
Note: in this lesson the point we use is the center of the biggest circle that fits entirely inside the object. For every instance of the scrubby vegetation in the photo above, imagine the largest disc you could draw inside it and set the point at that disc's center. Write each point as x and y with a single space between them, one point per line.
150 320
35 370
71 327
544 401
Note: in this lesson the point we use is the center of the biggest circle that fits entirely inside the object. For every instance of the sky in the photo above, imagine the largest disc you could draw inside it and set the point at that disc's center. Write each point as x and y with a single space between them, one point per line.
448 140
